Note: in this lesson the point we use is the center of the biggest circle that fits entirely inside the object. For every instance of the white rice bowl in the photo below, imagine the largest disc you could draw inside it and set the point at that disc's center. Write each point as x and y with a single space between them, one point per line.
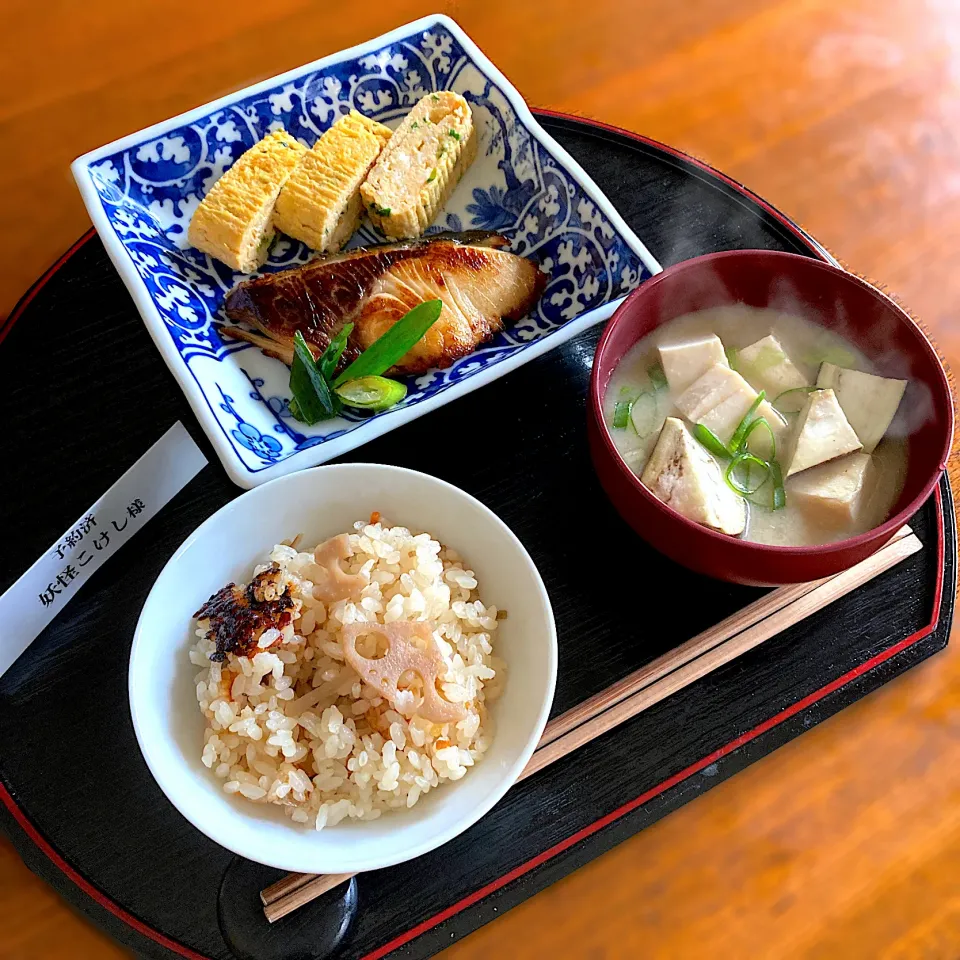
321 503
349 755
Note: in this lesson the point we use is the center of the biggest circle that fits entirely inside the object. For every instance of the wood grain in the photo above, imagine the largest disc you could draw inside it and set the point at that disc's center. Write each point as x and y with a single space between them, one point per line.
843 113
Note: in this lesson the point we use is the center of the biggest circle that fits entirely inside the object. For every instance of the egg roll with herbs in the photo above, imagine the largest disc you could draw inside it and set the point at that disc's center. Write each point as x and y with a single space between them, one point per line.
420 166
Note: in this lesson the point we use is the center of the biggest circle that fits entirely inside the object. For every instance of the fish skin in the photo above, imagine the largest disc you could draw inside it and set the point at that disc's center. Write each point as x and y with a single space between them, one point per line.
479 284
479 288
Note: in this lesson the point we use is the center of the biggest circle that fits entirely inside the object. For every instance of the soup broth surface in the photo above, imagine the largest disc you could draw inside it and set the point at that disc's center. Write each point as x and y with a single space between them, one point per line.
807 345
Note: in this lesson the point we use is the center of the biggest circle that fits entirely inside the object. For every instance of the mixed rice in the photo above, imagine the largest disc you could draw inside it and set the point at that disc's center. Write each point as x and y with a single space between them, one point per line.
291 722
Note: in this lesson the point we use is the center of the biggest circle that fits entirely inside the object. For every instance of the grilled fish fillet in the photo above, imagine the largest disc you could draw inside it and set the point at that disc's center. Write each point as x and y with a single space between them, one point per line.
480 287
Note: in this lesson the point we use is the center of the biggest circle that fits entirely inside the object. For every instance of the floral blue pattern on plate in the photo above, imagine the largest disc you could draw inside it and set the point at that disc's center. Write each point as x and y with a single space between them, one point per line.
141 192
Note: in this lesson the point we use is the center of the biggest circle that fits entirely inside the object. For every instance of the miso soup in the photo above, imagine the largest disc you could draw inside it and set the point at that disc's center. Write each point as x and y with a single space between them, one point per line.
761 425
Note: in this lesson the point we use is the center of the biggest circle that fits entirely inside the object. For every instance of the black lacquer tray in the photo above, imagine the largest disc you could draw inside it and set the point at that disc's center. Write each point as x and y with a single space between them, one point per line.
87 393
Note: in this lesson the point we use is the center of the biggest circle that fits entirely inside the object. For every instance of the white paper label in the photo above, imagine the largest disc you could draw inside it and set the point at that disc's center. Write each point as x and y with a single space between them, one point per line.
49 585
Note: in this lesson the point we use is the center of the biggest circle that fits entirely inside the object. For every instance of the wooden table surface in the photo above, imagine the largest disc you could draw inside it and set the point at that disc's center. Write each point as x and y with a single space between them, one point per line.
846 842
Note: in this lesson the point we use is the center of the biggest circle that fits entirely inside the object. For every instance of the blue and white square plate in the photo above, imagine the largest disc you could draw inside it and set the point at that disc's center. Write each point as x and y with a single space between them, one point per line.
142 190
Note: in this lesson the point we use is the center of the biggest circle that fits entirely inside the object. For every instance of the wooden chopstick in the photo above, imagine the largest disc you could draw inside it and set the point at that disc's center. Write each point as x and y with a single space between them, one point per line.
744 630
316 886
648 694
714 636
286 886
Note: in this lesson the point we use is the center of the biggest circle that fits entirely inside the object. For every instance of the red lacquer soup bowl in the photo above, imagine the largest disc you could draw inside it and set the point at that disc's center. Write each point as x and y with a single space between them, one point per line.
803 287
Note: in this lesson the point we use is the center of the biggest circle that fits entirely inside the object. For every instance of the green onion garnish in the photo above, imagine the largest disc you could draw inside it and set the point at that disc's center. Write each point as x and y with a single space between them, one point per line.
768 358
643 415
711 441
657 377
454 134
835 355
331 356
316 396
736 441
371 393
731 354
779 494
390 348
793 391
433 175
311 392
263 247
733 481
760 422
621 414
383 211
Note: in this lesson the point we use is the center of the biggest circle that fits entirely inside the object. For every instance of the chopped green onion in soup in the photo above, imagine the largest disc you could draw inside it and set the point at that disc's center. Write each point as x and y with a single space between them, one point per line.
707 438
621 414
643 415
658 379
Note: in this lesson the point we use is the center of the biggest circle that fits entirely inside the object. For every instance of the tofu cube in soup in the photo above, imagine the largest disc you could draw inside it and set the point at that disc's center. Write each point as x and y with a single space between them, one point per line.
684 476
837 492
822 433
767 367
688 360
868 402
720 399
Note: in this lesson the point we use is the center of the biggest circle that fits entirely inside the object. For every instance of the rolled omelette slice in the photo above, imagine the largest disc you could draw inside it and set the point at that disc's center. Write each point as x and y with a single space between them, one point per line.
320 202
420 166
234 220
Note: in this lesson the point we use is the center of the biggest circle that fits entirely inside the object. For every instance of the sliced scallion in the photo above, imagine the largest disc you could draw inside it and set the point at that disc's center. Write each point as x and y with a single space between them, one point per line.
767 358
621 414
793 391
751 426
736 441
732 353
707 438
657 377
311 392
331 356
263 247
371 393
779 494
643 415
838 356
390 348
749 461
